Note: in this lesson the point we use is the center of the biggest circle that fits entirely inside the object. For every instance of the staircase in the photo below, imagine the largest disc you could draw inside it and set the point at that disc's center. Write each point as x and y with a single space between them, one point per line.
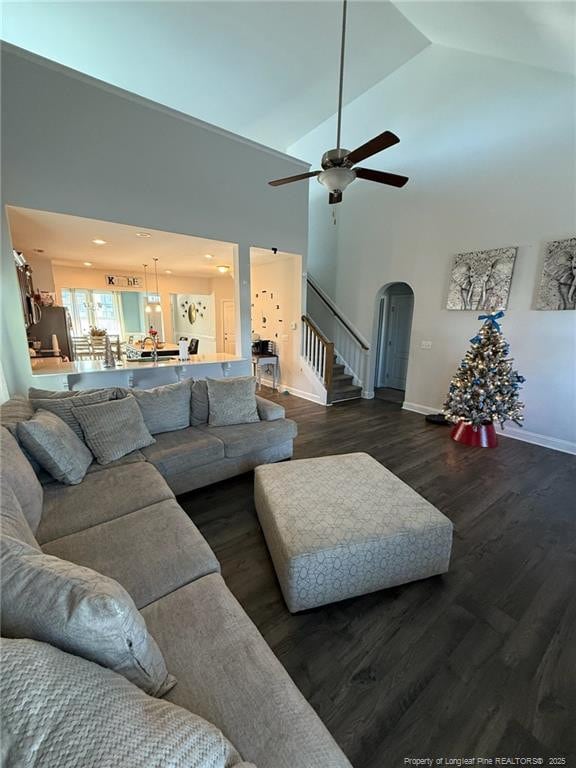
340 360
343 387
318 352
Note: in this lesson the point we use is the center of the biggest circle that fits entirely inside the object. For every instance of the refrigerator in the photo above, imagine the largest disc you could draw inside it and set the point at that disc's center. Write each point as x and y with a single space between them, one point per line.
53 320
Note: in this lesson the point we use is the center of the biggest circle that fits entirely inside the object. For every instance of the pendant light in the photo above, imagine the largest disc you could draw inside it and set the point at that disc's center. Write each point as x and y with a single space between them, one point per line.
147 308
157 306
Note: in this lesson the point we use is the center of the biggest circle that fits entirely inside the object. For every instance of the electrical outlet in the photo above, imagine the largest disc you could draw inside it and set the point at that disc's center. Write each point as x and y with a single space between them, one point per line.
425 345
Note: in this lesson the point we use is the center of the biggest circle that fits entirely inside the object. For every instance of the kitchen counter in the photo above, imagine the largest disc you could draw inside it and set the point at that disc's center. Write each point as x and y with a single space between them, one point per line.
83 374
55 367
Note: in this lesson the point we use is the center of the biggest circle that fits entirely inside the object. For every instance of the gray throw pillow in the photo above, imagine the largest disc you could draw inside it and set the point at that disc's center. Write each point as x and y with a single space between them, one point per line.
199 406
165 408
232 401
12 412
63 406
114 428
79 611
60 711
55 447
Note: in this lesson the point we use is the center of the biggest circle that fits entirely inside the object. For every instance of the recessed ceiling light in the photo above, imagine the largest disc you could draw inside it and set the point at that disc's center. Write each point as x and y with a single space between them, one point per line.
87 263
143 234
208 256
223 268
99 242
168 271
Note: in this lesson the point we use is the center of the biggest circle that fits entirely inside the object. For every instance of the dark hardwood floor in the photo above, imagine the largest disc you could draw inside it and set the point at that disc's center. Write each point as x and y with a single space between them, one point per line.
480 662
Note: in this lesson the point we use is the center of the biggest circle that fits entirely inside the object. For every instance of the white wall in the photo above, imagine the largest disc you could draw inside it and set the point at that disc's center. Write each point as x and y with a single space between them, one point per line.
490 148
73 145
283 276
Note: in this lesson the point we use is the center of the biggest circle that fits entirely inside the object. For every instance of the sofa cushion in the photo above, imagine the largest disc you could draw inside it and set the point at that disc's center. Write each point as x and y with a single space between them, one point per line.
113 429
55 447
64 407
151 552
232 401
227 673
130 458
21 477
180 451
79 611
100 497
114 393
199 405
61 711
241 439
165 408
12 518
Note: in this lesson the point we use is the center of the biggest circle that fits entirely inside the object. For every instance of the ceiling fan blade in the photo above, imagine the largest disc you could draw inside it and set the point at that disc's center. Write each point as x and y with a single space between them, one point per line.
335 197
290 179
372 147
393 179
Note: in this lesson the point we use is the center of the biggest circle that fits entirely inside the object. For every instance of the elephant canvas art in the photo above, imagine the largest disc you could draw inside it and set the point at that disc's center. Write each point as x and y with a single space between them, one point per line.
480 280
558 282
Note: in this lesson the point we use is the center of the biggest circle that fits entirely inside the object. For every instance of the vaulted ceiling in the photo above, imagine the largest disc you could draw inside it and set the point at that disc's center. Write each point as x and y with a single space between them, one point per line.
268 70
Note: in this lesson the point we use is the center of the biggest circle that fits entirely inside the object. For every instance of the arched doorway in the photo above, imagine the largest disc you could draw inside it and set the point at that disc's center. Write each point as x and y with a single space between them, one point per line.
395 307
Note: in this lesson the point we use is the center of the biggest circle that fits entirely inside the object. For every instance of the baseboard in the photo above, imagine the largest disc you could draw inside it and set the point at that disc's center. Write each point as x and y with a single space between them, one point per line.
516 433
417 408
519 433
312 396
281 387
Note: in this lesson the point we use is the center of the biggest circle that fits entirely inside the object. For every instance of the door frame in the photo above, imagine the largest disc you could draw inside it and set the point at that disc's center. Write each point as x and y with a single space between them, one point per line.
379 331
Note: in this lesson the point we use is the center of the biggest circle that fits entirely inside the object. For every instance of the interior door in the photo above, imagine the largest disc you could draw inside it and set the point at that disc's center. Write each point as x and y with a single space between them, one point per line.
229 327
398 326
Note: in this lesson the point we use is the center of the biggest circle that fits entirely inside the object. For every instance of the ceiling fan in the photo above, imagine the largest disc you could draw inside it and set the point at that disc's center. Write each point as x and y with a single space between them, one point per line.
337 164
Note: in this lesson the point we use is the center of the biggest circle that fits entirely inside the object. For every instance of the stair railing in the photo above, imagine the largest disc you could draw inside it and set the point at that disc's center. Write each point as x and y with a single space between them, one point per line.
351 348
317 351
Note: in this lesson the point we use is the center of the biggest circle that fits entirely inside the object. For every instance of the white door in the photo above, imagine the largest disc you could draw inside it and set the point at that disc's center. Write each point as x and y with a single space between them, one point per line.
229 327
398 326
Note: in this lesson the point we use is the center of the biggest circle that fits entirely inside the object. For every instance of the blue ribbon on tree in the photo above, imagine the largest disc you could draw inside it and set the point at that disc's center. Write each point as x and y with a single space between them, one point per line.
492 319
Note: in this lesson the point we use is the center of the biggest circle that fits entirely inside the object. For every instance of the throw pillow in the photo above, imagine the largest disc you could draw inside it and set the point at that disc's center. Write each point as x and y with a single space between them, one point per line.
63 406
60 711
79 611
22 479
165 408
232 401
12 412
199 406
114 428
55 447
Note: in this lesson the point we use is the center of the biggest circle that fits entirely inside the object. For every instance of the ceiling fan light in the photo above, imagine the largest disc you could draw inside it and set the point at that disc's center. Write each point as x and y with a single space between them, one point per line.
336 179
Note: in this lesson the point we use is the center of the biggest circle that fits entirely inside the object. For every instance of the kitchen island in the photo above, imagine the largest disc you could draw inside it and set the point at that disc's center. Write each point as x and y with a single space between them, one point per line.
52 373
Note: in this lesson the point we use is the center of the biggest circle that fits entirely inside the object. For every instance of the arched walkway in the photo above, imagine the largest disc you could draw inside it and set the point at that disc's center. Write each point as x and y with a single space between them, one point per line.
394 308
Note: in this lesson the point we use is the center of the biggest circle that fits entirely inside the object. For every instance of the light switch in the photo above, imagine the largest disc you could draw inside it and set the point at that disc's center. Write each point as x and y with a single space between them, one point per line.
425 345
293 326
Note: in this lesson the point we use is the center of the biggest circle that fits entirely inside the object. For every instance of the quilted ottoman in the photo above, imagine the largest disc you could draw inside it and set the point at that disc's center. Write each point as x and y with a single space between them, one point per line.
341 526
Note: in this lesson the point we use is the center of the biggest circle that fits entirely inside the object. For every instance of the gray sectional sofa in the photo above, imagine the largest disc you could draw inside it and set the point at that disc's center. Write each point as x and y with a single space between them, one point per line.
124 521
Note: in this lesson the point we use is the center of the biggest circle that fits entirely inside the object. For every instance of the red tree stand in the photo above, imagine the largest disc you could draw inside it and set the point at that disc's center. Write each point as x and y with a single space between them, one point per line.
483 436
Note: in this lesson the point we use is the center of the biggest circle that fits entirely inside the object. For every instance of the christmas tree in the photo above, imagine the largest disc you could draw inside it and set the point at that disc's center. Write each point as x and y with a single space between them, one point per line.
485 388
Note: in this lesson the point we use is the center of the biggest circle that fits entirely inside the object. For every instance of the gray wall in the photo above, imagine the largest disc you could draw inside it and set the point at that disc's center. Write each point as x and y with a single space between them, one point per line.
74 145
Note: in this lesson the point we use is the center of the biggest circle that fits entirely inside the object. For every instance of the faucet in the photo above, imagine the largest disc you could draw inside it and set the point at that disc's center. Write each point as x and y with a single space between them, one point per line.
154 355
